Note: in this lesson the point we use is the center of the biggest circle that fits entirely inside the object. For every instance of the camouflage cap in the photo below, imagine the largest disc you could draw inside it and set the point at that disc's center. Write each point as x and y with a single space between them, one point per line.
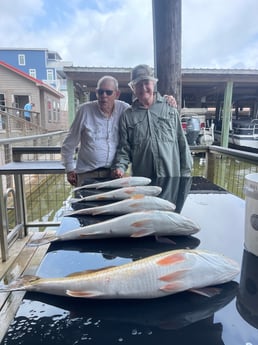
141 72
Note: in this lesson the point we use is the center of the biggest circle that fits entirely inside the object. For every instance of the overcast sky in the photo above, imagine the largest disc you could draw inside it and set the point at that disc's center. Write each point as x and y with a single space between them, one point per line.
119 33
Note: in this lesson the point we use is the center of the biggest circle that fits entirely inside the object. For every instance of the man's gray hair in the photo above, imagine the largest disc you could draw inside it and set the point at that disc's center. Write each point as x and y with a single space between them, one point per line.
108 77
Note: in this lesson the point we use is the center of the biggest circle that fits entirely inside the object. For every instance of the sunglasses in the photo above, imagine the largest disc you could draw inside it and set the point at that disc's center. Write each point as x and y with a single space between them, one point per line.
108 92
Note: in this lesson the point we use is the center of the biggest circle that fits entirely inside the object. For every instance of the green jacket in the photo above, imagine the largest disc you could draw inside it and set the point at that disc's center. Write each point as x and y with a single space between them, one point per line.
153 141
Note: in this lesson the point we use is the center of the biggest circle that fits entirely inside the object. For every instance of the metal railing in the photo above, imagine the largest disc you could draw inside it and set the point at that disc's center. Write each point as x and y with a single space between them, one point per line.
32 140
39 177
19 191
13 123
225 167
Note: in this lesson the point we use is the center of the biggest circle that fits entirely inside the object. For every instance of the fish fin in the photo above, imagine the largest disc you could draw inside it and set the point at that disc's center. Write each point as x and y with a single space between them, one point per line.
88 294
171 259
207 291
171 287
41 241
173 276
129 190
142 223
142 233
138 196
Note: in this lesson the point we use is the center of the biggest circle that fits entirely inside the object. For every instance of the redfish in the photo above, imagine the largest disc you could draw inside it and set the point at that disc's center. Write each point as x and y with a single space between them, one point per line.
135 224
122 193
118 183
152 277
134 204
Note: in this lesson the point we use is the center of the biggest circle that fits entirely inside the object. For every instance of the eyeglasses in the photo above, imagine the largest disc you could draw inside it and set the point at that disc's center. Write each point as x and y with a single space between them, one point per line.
108 92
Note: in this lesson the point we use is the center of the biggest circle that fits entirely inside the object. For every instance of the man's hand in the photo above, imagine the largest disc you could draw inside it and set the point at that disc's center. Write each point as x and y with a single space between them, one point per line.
72 178
117 173
171 100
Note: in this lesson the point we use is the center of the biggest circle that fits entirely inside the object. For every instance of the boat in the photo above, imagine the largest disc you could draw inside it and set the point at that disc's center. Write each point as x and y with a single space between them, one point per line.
243 133
198 128
243 125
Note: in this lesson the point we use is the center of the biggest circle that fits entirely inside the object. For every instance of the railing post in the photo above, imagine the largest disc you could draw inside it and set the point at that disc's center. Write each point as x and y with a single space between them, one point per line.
3 224
227 110
210 166
21 202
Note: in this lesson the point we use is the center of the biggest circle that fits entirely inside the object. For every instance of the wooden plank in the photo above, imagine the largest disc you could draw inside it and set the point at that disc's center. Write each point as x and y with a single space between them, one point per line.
14 251
25 262
9 310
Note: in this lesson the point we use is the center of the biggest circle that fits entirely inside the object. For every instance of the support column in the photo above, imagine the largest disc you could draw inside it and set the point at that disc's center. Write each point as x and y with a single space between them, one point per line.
227 110
71 101
167 46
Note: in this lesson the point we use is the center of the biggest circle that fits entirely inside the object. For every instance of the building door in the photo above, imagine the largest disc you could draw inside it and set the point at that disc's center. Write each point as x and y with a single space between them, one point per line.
20 101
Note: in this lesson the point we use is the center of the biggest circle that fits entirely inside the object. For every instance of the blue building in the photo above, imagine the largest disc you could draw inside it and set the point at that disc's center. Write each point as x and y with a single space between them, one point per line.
39 63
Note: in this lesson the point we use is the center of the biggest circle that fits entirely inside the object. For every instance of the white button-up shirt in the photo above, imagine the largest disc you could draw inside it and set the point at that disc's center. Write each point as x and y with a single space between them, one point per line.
95 135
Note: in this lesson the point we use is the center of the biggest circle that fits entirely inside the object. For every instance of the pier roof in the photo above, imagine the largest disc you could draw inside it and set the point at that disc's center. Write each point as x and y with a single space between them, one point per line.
196 82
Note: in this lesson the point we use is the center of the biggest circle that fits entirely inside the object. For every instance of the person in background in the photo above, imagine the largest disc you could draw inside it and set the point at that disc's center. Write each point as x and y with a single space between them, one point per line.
27 111
151 135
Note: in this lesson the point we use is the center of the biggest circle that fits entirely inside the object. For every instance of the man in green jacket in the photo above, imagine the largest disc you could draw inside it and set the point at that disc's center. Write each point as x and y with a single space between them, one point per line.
150 133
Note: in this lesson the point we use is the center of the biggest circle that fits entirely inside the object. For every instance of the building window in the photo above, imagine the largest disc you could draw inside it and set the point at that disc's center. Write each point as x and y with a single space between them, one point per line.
49 109
32 72
50 75
51 56
21 59
2 102
54 112
58 112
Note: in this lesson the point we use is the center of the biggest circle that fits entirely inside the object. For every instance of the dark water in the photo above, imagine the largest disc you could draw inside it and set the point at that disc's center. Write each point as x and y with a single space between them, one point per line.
229 173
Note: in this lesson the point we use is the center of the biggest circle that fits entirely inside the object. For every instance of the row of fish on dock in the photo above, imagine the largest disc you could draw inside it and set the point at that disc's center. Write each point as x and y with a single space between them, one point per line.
137 212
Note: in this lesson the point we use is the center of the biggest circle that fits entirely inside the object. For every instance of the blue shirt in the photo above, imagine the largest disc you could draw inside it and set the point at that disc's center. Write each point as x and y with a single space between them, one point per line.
28 107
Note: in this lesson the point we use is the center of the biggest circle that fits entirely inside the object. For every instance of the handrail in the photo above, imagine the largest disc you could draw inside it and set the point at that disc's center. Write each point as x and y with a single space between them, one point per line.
30 137
244 155
14 121
10 191
20 168
19 151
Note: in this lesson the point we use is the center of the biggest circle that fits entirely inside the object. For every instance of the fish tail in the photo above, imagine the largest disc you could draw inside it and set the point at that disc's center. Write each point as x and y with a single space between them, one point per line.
74 200
19 284
41 241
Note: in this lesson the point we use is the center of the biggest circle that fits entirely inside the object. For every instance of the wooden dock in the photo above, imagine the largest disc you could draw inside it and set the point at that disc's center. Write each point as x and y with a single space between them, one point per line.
22 260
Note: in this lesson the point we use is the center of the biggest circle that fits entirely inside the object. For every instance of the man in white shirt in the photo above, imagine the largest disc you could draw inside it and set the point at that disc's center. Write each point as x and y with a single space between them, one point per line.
95 131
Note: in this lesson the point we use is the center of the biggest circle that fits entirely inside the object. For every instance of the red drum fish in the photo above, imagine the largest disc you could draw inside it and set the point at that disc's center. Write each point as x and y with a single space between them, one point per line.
122 193
118 183
135 224
134 204
152 277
